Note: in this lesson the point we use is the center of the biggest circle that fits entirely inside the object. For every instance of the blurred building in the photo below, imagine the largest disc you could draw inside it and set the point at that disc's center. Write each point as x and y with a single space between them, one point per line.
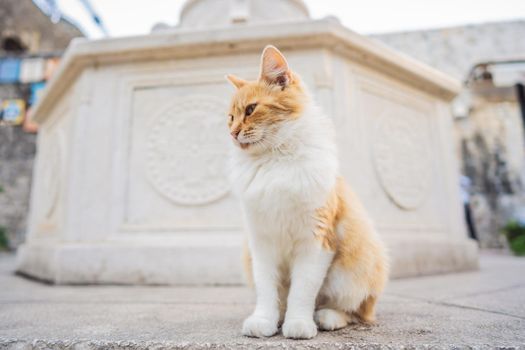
489 58
32 37
456 50
490 138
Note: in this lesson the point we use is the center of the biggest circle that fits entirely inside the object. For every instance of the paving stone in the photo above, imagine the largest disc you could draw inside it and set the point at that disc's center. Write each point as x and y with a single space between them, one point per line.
481 309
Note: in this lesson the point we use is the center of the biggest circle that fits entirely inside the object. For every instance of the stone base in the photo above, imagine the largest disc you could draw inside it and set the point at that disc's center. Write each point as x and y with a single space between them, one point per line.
125 263
212 264
426 255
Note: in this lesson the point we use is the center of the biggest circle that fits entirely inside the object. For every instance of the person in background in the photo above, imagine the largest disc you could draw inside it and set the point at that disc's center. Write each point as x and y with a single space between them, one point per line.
465 188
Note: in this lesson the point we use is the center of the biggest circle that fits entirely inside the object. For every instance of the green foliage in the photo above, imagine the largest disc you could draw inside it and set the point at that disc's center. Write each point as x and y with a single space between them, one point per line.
4 243
515 233
518 245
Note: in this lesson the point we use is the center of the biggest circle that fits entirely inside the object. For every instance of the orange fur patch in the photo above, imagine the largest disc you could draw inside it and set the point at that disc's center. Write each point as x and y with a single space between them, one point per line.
366 311
274 105
326 220
357 248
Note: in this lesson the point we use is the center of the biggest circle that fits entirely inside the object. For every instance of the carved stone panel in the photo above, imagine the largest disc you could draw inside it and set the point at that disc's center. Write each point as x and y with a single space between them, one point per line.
401 146
401 156
178 158
186 155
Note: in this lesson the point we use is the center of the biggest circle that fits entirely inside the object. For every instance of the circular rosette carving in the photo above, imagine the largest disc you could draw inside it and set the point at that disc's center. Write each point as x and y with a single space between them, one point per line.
187 151
402 159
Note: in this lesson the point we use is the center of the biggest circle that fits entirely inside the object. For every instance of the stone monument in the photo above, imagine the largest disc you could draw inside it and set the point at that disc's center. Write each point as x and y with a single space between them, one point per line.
130 183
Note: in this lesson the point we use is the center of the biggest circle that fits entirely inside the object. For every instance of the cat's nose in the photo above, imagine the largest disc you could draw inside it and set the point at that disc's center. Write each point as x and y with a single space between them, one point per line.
235 133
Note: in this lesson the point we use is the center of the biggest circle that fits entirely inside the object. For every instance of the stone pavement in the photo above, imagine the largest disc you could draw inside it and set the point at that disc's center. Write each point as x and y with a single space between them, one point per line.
478 309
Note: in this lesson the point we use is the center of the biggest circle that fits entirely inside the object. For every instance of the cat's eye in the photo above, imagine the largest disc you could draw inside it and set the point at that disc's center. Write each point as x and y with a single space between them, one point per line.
250 108
231 118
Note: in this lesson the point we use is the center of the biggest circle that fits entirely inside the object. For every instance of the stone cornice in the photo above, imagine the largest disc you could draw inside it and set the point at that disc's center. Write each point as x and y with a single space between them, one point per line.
327 33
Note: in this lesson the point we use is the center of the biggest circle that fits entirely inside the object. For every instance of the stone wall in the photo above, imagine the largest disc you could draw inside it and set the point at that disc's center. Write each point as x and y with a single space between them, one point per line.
17 151
32 33
492 149
455 50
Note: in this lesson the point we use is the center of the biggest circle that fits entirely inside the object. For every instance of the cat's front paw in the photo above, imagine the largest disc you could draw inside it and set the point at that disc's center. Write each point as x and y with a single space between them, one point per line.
256 326
299 328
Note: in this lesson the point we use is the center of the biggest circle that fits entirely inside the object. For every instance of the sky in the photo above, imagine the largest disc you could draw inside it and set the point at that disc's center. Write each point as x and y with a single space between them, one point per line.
134 17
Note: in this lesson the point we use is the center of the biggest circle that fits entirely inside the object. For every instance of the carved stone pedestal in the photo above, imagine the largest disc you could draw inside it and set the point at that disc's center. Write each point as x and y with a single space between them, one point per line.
130 183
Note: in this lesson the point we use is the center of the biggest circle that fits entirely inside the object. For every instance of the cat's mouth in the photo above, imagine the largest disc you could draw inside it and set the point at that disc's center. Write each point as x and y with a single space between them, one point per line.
245 144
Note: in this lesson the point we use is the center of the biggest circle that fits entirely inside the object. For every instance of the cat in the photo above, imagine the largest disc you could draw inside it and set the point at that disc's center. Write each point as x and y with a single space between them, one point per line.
313 254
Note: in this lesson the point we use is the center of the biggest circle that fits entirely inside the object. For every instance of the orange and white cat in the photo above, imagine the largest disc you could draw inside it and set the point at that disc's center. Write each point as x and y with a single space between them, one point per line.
313 254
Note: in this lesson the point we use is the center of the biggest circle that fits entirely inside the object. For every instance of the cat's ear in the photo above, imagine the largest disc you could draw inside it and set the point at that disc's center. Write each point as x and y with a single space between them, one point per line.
274 68
235 81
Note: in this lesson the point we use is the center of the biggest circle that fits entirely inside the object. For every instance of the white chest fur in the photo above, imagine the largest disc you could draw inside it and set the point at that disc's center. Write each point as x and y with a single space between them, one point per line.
279 190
